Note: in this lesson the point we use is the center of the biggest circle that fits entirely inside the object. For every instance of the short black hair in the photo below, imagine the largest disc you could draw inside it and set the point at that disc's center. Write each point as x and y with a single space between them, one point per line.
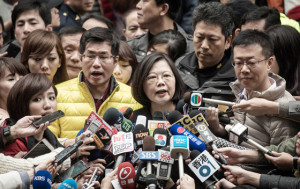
99 18
252 37
239 9
125 15
72 29
174 6
142 72
24 6
271 15
99 34
214 13
175 41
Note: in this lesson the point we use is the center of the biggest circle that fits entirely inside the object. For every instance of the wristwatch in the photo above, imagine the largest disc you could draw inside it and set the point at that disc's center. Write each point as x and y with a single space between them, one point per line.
295 162
7 134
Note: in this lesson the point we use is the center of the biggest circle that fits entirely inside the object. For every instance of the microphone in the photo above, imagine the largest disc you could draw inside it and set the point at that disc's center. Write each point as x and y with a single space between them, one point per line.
122 143
68 184
195 99
203 166
139 132
113 117
126 175
141 174
148 154
180 106
241 135
127 112
42 180
176 117
157 115
221 143
151 181
160 136
194 142
179 150
126 125
205 133
141 120
164 166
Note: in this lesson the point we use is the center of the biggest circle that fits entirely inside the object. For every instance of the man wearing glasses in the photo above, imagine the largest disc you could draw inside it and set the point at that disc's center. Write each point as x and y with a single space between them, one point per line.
252 59
95 89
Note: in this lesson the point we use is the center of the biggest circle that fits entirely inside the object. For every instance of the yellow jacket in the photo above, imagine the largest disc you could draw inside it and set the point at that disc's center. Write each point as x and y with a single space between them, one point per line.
76 101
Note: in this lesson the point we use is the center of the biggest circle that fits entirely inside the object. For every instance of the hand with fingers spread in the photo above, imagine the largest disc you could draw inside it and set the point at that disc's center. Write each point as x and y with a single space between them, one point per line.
282 161
257 107
237 175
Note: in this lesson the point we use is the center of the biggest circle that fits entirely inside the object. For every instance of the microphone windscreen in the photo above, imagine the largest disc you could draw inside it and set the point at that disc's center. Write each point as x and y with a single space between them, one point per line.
111 116
157 115
68 184
149 143
127 112
160 136
151 179
174 116
193 113
126 175
42 180
179 106
194 154
187 97
141 120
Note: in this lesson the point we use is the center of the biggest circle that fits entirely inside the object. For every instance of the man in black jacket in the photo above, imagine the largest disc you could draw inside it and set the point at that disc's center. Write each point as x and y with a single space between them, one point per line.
208 69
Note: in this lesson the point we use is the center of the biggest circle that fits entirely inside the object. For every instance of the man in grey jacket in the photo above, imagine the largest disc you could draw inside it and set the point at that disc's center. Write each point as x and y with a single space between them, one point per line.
156 16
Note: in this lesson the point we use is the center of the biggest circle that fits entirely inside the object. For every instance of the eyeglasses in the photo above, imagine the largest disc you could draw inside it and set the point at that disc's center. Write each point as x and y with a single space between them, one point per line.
93 57
153 77
249 63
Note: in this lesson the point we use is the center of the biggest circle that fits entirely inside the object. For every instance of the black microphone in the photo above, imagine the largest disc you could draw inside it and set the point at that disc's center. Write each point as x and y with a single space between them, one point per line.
141 174
111 116
157 115
180 106
205 133
241 135
67 152
151 181
139 133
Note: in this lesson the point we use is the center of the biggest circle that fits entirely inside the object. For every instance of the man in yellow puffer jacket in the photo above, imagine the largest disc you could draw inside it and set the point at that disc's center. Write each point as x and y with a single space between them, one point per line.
95 89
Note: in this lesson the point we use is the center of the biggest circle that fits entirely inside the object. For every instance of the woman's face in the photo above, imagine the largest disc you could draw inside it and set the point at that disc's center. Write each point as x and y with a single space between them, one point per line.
123 71
43 104
47 65
159 85
7 81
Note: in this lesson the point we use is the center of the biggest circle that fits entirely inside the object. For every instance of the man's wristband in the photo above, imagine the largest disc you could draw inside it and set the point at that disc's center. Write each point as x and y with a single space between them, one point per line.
7 134
295 162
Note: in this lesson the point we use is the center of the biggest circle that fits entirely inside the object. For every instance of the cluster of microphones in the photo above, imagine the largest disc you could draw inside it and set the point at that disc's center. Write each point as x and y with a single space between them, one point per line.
145 153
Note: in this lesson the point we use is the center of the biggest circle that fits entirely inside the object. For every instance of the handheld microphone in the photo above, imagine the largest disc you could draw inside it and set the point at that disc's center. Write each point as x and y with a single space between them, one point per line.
203 166
42 180
67 152
205 133
122 143
68 184
141 120
127 112
126 175
221 143
151 181
126 125
113 117
164 166
161 137
175 117
241 135
194 142
139 133
141 174
180 105
195 99
157 115
149 152
179 150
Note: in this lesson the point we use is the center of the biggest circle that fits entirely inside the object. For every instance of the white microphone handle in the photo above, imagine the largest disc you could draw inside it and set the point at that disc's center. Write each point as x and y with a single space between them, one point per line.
258 146
149 168
119 160
180 165
213 101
